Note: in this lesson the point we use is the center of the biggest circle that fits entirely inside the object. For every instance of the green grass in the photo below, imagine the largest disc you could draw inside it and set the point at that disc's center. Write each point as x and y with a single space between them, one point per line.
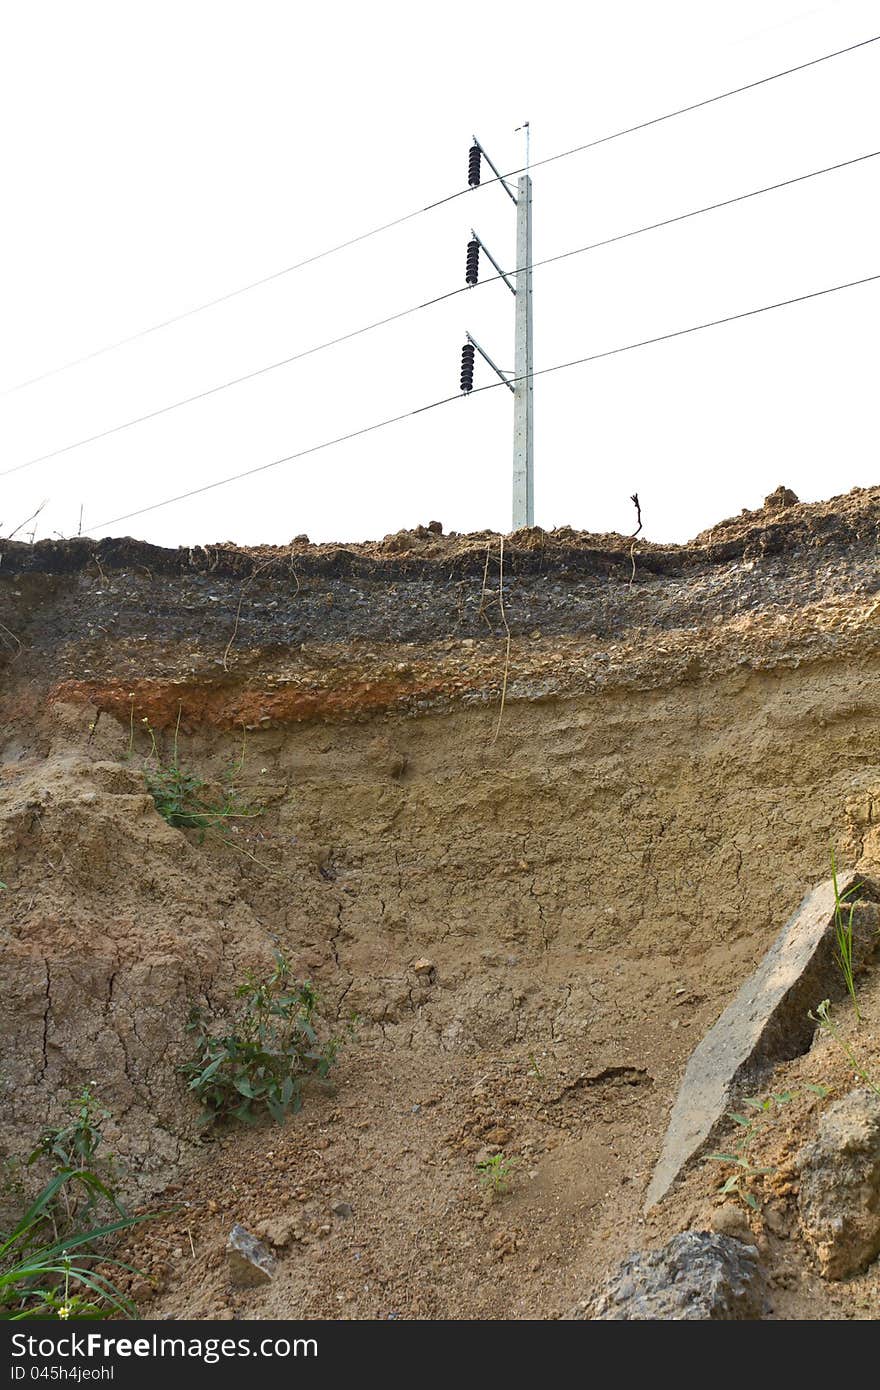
55 1277
844 910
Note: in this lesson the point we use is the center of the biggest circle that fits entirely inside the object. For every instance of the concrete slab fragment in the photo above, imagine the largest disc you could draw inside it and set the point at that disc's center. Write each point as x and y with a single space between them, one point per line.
766 1023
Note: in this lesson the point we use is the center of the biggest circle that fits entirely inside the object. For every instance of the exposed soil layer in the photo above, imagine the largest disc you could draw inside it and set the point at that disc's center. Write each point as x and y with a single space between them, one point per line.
590 871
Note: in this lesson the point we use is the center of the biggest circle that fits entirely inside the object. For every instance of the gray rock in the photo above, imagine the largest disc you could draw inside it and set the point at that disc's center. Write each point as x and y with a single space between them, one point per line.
696 1276
343 1210
249 1261
765 1024
839 1198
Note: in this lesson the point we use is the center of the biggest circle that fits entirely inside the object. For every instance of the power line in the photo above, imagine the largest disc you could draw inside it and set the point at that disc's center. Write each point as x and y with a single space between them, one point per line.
430 207
493 385
235 381
426 304
694 106
697 212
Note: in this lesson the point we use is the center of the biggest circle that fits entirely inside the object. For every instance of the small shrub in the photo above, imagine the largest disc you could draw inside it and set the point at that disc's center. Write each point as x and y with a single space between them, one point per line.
261 1063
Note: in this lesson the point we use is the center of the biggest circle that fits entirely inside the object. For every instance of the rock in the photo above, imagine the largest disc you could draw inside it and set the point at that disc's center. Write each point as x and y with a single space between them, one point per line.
249 1261
839 1198
766 1023
436 528
426 970
697 1276
343 1210
731 1220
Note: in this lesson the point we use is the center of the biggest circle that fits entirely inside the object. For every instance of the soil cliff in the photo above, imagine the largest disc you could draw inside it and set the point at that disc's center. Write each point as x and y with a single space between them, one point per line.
531 807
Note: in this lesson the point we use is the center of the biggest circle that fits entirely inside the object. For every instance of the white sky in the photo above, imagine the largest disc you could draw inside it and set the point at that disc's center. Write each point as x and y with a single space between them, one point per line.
158 156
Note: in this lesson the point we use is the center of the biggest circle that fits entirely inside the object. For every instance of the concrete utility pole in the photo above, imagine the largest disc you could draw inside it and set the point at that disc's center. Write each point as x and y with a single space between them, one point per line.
523 439
521 384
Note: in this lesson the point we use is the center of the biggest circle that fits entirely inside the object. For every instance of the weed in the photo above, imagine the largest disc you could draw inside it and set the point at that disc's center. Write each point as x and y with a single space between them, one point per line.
72 1150
822 1016
37 1269
495 1173
762 1111
261 1064
179 794
843 932
40 1277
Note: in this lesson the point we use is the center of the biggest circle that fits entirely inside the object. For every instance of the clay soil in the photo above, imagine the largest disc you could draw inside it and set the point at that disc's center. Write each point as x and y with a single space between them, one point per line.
534 908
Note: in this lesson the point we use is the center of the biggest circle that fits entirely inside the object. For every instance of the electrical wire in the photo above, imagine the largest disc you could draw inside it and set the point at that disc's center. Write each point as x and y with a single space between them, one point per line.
430 207
433 405
426 304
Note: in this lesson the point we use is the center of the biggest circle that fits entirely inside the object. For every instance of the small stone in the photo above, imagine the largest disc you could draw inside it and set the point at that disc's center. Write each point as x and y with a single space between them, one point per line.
731 1220
426 970
248 1260
343 1210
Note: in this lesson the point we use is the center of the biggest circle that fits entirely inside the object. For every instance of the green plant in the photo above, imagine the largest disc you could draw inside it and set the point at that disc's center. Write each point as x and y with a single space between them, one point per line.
179 794
822 1016
72 1149
261 1063
762 1111
843 932
495 1173
39 1276
37 1269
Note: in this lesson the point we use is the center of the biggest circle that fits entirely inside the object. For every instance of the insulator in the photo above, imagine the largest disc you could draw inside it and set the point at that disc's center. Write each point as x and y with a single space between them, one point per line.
472 269
474 158
467 367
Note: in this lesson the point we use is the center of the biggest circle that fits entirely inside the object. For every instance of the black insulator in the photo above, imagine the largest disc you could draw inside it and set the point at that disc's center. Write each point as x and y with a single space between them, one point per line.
472 269
467 367
474 158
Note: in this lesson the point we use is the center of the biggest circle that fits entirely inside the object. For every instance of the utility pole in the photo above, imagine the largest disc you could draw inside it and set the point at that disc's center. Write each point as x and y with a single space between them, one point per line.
523 440
521 385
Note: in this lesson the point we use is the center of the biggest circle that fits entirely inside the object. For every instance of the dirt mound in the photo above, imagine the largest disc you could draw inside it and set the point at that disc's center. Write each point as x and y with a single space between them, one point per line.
112 924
